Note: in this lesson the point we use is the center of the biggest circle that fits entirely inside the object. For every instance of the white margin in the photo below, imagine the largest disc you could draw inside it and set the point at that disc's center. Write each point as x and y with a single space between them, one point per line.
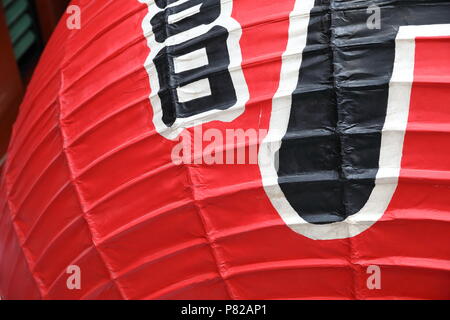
235 32
392 138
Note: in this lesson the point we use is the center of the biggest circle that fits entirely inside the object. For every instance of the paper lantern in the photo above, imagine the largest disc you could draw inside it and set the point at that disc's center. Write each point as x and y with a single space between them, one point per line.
218 149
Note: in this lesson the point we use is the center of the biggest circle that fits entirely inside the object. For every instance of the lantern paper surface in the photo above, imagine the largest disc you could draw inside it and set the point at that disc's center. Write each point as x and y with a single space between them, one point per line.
350 101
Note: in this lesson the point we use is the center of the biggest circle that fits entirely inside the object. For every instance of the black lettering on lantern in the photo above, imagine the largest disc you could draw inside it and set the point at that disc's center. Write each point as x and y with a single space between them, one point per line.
199 65
183 17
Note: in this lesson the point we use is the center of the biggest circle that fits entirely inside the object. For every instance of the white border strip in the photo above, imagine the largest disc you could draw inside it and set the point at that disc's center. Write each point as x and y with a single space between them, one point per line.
392 134
235 32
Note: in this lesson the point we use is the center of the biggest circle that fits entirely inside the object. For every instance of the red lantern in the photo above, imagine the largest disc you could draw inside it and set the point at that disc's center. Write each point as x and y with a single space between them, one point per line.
218 149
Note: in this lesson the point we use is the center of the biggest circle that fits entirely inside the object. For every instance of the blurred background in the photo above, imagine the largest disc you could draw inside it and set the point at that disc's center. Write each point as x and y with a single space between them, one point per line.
25 27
